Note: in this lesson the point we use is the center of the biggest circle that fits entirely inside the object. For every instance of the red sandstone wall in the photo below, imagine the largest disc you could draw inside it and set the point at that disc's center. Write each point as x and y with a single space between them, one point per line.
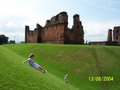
78 35
74 37
54 33
116 34
32 36
109 38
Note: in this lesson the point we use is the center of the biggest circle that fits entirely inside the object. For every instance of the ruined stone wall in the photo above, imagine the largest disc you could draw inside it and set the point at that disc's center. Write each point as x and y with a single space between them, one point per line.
54 34
109 38
32 36
40 36
116 34
26 34
76 34
56 31
68 36
55 28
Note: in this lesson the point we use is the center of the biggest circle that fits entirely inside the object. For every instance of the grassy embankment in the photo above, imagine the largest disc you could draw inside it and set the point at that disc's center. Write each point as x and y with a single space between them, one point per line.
78 61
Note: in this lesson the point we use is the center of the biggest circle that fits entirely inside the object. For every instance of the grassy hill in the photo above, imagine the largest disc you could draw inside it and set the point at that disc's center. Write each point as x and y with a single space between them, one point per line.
79 62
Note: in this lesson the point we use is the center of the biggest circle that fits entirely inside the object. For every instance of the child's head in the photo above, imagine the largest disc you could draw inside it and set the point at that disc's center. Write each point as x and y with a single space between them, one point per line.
31 55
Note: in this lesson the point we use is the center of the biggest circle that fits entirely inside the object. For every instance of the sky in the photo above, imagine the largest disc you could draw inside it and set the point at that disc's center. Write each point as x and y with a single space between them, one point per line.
97 16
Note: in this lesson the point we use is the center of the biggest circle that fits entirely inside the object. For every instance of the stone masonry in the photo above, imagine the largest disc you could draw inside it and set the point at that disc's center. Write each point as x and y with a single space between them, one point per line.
116 34
56 31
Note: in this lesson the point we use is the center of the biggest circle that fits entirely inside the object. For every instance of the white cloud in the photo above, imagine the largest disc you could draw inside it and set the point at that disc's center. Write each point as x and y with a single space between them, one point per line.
17 36
98 30
12 24
16 8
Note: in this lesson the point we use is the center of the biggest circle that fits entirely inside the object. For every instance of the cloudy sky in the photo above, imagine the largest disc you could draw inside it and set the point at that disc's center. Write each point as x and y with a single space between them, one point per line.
97 16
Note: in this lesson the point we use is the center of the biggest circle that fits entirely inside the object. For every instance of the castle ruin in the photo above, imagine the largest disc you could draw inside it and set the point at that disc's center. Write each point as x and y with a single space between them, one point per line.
116 34
56 31
113 37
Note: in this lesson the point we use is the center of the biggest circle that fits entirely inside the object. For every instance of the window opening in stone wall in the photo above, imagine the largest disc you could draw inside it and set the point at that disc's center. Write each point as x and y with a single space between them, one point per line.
116 37
117 31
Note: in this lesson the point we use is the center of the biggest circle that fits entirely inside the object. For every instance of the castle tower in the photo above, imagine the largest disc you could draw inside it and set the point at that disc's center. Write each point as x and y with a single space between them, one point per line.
62 17
39 31
78 30
109 38
26 32
77 25
56 30
116 34
76 19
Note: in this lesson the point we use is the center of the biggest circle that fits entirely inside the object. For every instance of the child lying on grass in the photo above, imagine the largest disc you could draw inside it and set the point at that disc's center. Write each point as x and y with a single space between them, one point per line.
31 62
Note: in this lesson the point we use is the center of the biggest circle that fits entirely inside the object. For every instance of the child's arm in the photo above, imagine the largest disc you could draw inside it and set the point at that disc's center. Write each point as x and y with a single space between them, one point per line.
25 61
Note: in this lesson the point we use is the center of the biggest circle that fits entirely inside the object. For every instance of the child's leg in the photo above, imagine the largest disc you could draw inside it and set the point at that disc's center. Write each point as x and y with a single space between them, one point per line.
43 70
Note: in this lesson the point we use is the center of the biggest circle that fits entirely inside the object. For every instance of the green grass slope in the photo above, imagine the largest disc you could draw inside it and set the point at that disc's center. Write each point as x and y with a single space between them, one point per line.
80 62
14 75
